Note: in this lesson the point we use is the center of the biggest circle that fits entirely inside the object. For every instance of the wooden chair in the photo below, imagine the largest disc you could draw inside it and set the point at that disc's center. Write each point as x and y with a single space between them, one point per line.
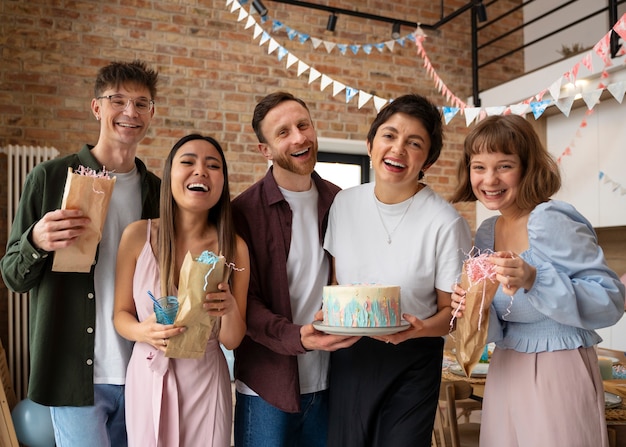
448 432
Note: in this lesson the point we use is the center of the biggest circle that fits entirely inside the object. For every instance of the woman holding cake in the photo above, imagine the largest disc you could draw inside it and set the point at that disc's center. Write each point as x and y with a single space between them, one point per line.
384 391
544 385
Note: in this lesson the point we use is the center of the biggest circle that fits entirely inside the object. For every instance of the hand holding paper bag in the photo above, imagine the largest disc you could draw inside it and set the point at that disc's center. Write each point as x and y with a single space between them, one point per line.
197 278
90 192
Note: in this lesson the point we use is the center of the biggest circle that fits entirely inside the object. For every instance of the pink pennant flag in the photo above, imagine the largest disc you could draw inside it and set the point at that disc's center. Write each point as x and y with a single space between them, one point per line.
602 48
620 27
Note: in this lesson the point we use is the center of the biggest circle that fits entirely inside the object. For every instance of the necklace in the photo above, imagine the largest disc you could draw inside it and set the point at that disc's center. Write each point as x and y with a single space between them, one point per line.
380 216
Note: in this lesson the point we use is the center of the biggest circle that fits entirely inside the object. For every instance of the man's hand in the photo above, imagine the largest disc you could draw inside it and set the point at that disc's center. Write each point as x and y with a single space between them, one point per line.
58 229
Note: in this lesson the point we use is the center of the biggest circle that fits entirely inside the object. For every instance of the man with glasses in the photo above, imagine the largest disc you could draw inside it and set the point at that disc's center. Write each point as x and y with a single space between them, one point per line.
78 361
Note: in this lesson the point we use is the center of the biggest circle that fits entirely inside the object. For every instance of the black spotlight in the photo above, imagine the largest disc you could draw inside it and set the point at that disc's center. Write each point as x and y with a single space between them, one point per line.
332 22
260 7
395 31
481 11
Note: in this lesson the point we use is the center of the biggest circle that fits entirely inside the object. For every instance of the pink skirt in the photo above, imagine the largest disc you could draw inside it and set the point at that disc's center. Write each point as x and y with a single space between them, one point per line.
544 399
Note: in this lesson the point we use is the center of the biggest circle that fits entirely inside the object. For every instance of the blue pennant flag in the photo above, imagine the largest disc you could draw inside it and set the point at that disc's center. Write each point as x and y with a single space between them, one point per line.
401 41
282 52
539 107
350 93
367 48
303 37
380 46
342 47
291 33
411 37
449 113
354 48
276 25
601 175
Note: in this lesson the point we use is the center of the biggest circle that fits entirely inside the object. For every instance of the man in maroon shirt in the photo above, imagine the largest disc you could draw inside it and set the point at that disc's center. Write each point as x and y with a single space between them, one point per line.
281 367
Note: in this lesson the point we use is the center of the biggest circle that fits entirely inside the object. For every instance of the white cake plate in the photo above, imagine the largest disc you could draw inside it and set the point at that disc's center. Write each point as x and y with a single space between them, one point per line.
341 330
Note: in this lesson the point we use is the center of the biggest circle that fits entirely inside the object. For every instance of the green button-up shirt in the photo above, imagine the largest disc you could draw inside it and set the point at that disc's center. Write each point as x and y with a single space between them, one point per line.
62 305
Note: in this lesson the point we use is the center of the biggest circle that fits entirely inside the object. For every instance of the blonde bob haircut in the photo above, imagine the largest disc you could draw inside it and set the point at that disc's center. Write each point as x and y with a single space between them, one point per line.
511 135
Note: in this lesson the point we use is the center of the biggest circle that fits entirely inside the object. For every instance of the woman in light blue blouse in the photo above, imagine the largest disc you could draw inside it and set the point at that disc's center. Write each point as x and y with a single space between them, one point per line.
544 385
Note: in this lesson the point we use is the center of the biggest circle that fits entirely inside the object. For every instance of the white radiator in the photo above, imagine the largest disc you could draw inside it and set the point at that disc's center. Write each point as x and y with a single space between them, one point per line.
20 161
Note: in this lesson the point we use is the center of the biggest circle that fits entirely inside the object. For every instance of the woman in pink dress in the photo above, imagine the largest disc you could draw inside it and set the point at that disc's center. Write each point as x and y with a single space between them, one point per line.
181 402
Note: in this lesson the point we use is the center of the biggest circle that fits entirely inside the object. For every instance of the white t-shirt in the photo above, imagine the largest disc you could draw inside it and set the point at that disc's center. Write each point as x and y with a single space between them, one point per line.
307 271
427 246
112 352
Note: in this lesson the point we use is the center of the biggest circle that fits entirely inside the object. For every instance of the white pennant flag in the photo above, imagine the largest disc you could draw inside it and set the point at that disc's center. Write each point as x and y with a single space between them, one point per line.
228 2
302 67
242 14
591 98
565 104
617 90
326 81
389 44
497 110
313 75
291 59
272 46
257 31
329 46
363 98
264 38
235 7
379 103
519 109
338 87
316 42
470 114
250 22
555 88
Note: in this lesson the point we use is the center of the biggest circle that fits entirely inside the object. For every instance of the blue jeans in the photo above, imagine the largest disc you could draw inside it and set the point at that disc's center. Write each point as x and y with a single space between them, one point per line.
99 425
259 424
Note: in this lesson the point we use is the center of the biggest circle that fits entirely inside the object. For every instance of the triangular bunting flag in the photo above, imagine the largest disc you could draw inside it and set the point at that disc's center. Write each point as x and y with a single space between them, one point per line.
617 90
539 107
367 48
337 87
326 81
282 52
555 88
493 111
350 93
242 14
291 59
257 31
389 44
591 98
235 7
379 103
519 109
228 2
276 25
264 38
313 75
302 67
449 113
363 98
329 46
292 33
342 48
303 37
565 104
470 114
272 46
316 42
355 48
250 22
620 27
380 47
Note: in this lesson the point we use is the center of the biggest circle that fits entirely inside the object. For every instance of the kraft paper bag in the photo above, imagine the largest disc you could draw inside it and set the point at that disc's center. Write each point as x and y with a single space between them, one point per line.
198 276
471 330
89 191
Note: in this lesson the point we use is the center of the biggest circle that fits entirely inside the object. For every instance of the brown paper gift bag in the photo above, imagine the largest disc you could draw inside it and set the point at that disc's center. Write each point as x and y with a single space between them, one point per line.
471 330
90 192
197 278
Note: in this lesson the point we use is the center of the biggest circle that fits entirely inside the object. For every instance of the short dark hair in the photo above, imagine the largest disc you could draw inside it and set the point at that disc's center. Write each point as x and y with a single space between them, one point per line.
117 73
418 107
268 103
511 134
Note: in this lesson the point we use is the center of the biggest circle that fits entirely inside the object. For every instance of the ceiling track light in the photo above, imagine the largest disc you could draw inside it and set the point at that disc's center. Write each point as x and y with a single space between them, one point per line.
259 7
332 22
395 31
481 11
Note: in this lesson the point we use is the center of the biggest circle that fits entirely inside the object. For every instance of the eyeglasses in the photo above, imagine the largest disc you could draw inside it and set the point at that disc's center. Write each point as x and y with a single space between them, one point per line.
121 102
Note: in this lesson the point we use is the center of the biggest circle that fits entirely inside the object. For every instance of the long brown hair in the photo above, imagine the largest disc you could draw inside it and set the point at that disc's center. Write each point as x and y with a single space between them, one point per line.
219 215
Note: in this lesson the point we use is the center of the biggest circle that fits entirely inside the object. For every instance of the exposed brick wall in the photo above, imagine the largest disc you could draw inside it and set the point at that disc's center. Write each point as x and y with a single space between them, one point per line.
212 73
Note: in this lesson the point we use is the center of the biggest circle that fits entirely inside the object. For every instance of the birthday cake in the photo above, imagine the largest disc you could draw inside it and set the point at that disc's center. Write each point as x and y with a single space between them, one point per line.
361 306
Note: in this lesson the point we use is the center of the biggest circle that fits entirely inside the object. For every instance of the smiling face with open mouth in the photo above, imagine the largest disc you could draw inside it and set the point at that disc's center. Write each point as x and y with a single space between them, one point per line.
291 139
399 150
495 179
197 176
